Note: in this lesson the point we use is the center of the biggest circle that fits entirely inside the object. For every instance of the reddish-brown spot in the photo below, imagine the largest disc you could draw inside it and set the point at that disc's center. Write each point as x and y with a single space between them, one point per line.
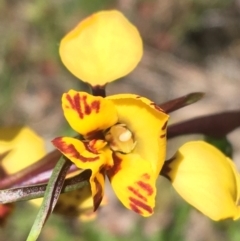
163 136
140 205
71 151
156 106
137 193
138 96
116 166
146 176
164 126
80 104
146 187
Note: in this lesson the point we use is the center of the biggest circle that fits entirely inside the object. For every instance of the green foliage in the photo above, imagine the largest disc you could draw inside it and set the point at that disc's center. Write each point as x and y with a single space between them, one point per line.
222 144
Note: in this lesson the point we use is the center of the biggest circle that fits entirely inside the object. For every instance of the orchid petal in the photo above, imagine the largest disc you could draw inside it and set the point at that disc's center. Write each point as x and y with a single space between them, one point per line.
133 181
148 124
86 114
22 146
79 153
102 48
206 179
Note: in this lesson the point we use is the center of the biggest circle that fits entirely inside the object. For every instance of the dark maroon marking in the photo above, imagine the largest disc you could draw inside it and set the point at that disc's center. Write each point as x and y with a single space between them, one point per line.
95 134
166 169
69 99
145 186
116 166
156 106
96 105
90 148
162 136
75 104
71 150
146 176
137 193
88 108
140 204
97 198
164 126
135 208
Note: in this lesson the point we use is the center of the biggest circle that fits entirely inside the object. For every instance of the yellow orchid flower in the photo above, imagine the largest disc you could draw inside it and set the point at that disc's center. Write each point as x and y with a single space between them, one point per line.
78 204
102 48
206 179
124 137
22 147
19 148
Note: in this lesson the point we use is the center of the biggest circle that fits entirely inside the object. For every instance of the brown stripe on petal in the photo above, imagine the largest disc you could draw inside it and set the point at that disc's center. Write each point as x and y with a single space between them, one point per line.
116 166
140 205
163 136
69 149
97 198
164 126
88 108
80 104
135 208
146 187
75 104
137 193
95 105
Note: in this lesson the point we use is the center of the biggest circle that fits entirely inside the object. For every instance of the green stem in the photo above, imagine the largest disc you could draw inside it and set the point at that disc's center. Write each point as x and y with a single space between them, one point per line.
52 193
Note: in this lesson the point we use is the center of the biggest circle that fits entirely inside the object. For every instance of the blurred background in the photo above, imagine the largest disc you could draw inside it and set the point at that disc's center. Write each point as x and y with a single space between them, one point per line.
190 45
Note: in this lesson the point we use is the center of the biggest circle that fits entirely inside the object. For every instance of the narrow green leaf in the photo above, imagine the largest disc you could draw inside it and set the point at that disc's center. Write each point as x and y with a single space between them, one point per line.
52 193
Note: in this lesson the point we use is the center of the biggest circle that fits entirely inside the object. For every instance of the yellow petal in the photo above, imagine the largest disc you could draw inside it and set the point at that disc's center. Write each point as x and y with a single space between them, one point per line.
88 214
147 123
23 148
101 48
88 114
74 203
133 181
83 156
206 179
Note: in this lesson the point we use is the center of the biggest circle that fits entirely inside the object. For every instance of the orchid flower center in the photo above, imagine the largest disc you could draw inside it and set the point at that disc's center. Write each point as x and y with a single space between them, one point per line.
120 138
